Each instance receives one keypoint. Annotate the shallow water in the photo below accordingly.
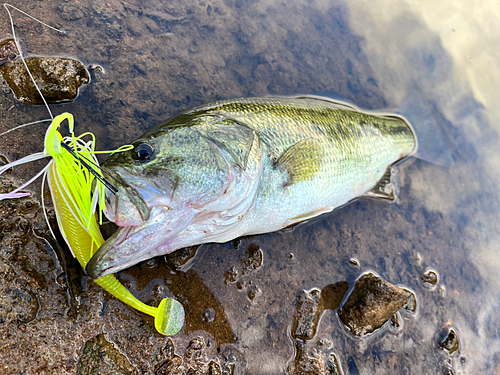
(159, 58)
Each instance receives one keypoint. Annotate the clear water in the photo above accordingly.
(160, 57)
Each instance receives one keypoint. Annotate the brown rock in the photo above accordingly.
(371, 304)
(451, 343)
(307, 362)
(58, 79)
(102, 357)
(8, 50)
(309, 310)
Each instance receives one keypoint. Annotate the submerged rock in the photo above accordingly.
(196, 360)
(450, 343)
(254, 259)
(307, 362)
(314, 361)
(371, 304)
(169, 360)
(58, 79)
(311, 305)
(309, 310)
(430, 278)
(8, 50)
(332, 365)
(102, 357)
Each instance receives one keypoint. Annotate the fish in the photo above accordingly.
(249, 166)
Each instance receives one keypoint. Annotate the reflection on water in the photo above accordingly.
(440, 239)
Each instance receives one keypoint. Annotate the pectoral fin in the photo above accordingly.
(385, 188)
(302, 160)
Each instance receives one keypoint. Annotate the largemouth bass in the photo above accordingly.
(243, 167)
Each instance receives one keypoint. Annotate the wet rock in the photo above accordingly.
(324, 343)
(429, 278)
(309, 310)
(396, 323)
(214, 368)
(450, 344)
(332, 365)
(411, 306)
(311, 305)
(254, 259)
(194, 345)
(354, 262)
(169, 361)
(209, 315)
(195, 360)
(102, 357)
(310, 361)
(58, 79)
(8, 50)
(307, 363)
(254, 293)
(231, 276)
(371, 304)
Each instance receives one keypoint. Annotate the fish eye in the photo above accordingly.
(143, 152)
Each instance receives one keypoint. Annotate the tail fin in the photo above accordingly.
(431, 147)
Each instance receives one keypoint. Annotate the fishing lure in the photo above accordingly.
(71, 174)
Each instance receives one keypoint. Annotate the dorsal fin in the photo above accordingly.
(338, 103)
(386, 187)
(302, 160)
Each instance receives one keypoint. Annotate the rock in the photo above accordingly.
(310, 361)
(254, 259)
(8, 50)
(311, 305)
(214, 368)
(307, 363)
(332, 365)
(450, 344)
(58, 79)
(169, 361)
(429, 278)
(309, 310)
(100, 357)
(371, 304)
(194, 361)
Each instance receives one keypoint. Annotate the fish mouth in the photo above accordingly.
(103, 262)
(132, 244)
